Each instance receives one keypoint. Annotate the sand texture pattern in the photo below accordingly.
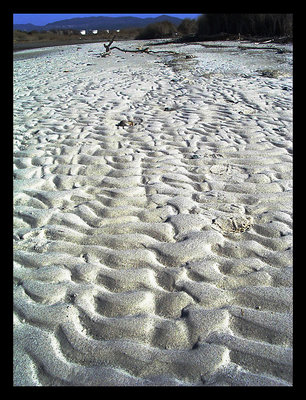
(158, 251)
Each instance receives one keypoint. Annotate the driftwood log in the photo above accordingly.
(107, 46)
(146, 50)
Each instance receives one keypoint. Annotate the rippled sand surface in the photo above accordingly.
(155, 251)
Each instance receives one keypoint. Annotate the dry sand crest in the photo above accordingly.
(158, 252)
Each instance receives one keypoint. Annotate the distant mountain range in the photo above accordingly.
(99, 23)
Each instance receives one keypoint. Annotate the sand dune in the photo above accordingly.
(158, 253)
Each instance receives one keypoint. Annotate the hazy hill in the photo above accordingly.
(97, 23)
(26, 27)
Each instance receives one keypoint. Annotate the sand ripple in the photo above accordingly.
(153, 254)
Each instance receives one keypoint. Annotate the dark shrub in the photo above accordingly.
(157, 30)
(245, 24)
(187, 26)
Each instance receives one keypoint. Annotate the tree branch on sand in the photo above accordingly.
(146, 50)
(107, 46)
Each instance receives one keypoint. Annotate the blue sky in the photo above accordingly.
(43, 19)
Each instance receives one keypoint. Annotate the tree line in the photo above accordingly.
(245, 24)
(207, 25)
(275, 25)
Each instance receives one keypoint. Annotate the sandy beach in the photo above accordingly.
(153, 215)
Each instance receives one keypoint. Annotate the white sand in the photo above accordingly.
(159, 253)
